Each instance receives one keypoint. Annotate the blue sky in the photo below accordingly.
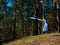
(9, 3)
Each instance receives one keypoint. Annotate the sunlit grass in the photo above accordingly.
(30, 39)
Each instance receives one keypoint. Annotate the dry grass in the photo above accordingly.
(43, 39)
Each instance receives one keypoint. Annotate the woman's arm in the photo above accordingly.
(40, 19)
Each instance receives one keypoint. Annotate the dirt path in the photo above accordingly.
(50, 40)
(38, 40)
(47, 40)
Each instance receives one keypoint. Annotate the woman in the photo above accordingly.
(45, 25)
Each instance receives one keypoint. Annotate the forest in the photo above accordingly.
(15, 19)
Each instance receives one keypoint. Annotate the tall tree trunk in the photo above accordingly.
(56, 14)
(37, 13)
(31, 28)
(42, 15)
(14, 28)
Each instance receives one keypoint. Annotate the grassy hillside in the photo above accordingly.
(43, 39)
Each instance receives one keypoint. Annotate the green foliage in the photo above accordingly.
(15, 22)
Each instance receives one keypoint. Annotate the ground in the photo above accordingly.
(43, 39)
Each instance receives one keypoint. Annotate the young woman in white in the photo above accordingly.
(45, 25)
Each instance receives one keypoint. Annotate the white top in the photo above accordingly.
(45, 26)
(42, 20)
